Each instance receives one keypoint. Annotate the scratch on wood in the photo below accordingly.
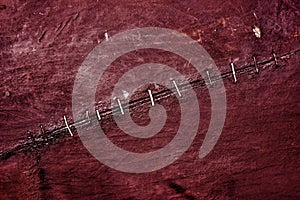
(62, 27)
(76, 16)
(42, 36)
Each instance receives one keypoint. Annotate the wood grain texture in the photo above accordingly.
(43, 44)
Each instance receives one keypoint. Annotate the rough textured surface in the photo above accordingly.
(43, 44)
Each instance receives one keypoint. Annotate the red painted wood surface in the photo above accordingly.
(43, 44)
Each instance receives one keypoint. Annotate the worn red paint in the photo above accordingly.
(43, 44)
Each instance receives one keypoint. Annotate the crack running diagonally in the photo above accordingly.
(47, 137)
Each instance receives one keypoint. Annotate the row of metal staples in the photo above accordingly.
(49, 136)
